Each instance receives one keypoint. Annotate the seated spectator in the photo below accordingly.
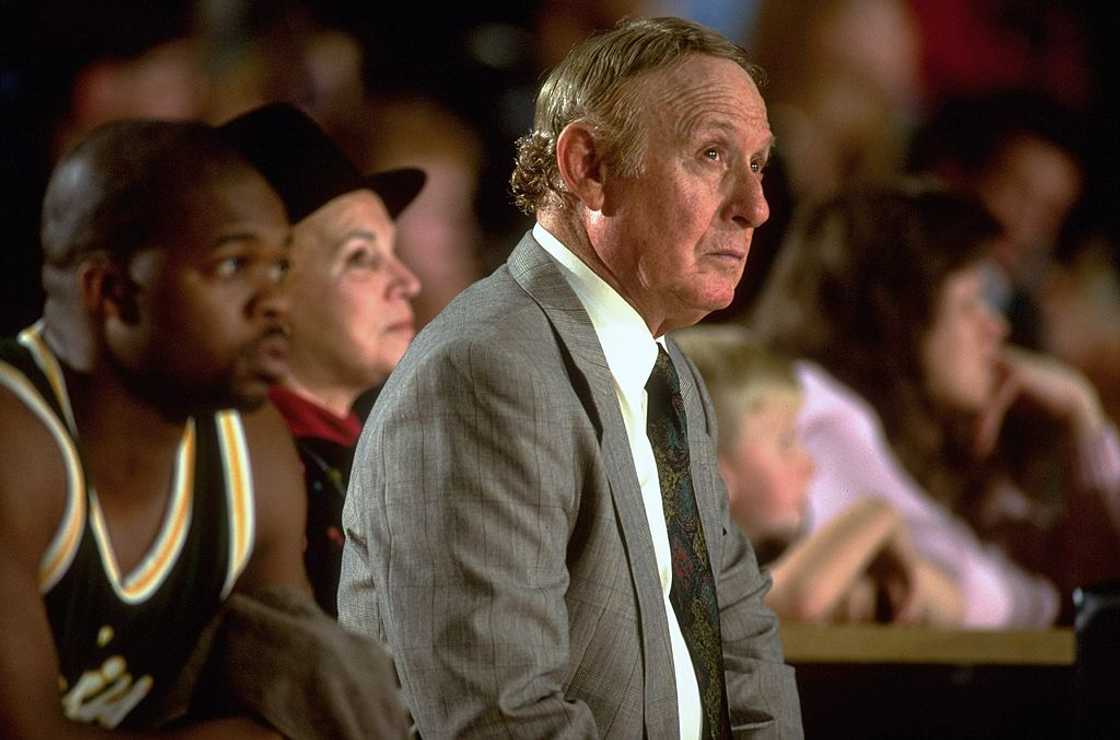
(859, 566)
(907, 380)
(352, 318)
(136, 500)
(1019, 154)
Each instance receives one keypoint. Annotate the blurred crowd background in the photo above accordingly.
(857, 89)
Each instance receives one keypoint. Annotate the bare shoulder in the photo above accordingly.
(280, 501)
(33, 479)
(271, 449)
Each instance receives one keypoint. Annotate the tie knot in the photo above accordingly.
(663, 378)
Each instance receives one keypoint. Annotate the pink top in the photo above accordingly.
(853, 459)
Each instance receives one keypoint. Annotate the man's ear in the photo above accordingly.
(107, 291)
(579, 157)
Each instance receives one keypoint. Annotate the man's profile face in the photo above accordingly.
(212, 325)
(676, 236)
(351, 314)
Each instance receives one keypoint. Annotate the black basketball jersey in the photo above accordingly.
(123, 638)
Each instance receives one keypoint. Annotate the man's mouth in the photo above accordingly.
(730, 256)
(270, 353)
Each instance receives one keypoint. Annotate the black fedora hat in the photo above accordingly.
(306, 167)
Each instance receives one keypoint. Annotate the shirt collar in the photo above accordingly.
(627, 344)
(306, 418)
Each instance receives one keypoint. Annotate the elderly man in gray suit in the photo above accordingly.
(535, 523)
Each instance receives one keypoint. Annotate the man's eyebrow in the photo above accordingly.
(767, 149)
(698, 124)
(233, 237)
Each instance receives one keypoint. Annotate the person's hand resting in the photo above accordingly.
(1059, 390)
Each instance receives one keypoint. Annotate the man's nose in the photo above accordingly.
(747, 205)
(271, 299)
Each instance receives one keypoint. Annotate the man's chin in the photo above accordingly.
(717, 294)
(249, 396)
(248, 404)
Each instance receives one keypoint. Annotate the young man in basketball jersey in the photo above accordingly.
(134, 497)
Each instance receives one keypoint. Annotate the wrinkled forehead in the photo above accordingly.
(701, 90)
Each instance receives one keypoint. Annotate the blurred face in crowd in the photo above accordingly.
(962, 348)
(1030, 188)
(767, 471)
(675, 237)
(209, 330)
(351, 318)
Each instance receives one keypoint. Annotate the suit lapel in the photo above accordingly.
(538, 274)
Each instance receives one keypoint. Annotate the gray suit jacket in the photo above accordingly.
(497, 539)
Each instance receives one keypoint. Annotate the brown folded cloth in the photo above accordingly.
(275, 655)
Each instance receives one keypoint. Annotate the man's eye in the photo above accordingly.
(230, 266)
(758, 167)
(713, 154)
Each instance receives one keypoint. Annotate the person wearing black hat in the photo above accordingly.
(351, 320)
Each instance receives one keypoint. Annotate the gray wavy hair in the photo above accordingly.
(592, 84)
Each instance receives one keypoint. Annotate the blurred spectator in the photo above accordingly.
(255, 54)
(859, 566)
(260, 52)
(842, 84)
(972, 46)
(117, 61)
(561, 24)
(1017, 152)
(65, 68)
(1081, 311)
(907, 383)
(438, 237)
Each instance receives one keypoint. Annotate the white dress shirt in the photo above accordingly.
(631, 351)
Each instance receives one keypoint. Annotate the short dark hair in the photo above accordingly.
(594, 84)
(128, 184)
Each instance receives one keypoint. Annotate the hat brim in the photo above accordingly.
(305, 166)
(396, 188)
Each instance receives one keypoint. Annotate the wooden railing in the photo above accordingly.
(864, 643)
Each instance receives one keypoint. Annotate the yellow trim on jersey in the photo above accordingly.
(147, 576)
(64, 545)
(239, 489)
(32, 339)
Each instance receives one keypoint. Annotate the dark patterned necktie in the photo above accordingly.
(693, 593)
